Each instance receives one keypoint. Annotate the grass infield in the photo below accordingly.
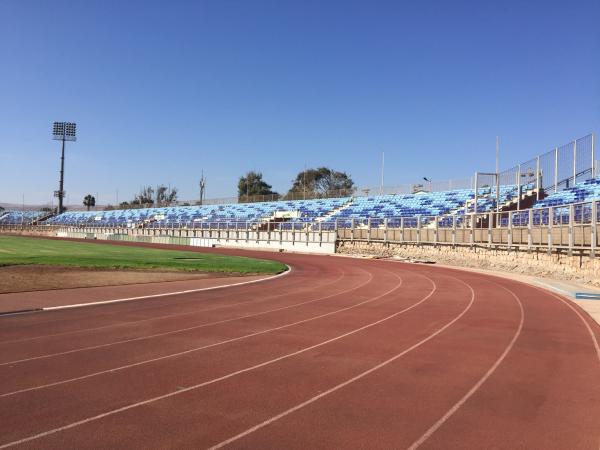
(16, 250)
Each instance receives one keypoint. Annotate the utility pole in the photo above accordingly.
(202, 187)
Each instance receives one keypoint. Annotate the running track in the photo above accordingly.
(340, 353)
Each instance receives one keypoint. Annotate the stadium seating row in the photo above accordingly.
(12, 217)
(326, 211)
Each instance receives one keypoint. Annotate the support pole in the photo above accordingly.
(555, 169)
(519, 187)
(62, 178)
(476, 193)
(529, 228)
(454, 230)
(510, 229)
(593, 156)
(571, 228)
(490, 219)
(550, 225)
(473, 219)
(574, 162)
(497, 192)
(537, 179)
(593, 232)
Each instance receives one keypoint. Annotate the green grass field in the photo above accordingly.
(23, 250)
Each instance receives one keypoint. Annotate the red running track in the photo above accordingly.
(340, 353)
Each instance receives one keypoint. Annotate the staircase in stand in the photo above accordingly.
(335, 210)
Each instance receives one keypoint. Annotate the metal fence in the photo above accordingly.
(572, 227)
(553, 171)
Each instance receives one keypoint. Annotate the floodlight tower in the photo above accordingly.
(62, 131)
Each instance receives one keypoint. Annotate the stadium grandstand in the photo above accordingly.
(556, 189)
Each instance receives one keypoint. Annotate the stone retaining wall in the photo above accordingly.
(556, 265)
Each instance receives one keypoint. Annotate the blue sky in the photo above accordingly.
(163, 90)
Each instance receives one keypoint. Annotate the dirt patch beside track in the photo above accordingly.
(40, 278)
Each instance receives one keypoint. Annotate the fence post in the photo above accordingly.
(307, 233)
(352, 229)
(550, 224)
(490, 218)
(555, 170)
(401, 229)
(369, 229)
(529, 228)
(385, 229)
(574, 161)
(437, 229)
(293, 233)
(320, 232)
(473, 219)
(571, 226)
(510, 229)
(593, 229)
(418, 229)
(454, 230)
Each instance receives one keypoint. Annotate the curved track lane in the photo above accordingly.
(340, 353)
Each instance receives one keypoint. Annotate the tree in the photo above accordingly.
(252, 185)
(321, 182)
(165, 195)
(145, 197)
(89, 201)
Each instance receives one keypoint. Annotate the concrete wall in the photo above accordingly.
(554, 265)
(324, 243)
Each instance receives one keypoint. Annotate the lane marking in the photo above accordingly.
(84, 330)
(180, 330)
(167, 294)
(482, 380)
(184, 352)
(349, 381)
(156, 306)
(224, 377)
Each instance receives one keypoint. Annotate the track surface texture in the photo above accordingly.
(339, 353)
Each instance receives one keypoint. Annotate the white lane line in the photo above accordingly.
(482, 380)
(224, 377)
(167, 316)
(180, 330)
(185, 352)
(167, 294)
(585, 322)
(349, 381)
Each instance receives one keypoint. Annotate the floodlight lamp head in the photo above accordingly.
(64, 131)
